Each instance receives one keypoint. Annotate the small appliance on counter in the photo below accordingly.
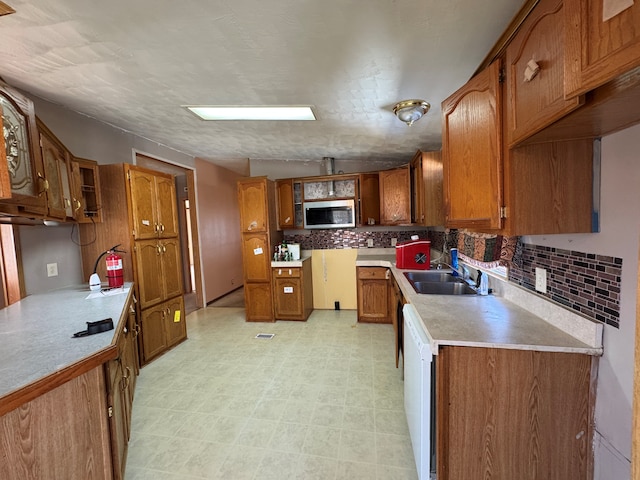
(414, 255)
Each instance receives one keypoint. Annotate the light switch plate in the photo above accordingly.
(52, 269)
(369, 242)
(541, 280)
(394, 242)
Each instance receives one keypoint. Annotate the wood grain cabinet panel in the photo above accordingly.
(395, 196)
(293, 292)
(286, 213)
(259, 302)
(535, 74)
(252, 199)
(373, 295)
(514, 413)
(599, 49)
(426, 189)
(472, 153)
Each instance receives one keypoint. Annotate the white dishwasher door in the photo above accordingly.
(417, 357)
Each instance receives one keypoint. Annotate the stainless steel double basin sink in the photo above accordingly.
(439, 282)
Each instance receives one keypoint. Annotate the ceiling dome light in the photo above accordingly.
(410, 111)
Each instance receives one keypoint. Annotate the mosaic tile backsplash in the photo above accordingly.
(585, 282)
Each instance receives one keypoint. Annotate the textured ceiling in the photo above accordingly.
(135, 63)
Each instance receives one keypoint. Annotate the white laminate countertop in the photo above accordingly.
(494, 321)
(291, 263)
(36, 333)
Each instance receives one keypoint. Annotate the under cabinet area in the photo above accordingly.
(293, 291)
(501, 413)
(373, 294)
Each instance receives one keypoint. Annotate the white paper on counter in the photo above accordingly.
(107, 292)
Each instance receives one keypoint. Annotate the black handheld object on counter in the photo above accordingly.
(96, 327)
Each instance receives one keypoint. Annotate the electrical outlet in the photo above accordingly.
(369, 242)
(52, 269)
(394, 242)
(541, 280)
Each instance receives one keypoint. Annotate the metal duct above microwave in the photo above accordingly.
(330, 214)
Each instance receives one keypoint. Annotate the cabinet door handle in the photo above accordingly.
(45, 184)
(158, 249)
(162, 227)
(77, 204)
(531, 70)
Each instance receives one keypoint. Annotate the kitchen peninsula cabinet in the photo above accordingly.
(373, 294)
(293, 291)
(513, 414)
(534, 71)
(141, 216)
(395, 196)
(256, 200)
(599, 49)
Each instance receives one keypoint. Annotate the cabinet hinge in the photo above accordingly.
(110, 410)
(503, 212)
(129, 175)
(501, 76)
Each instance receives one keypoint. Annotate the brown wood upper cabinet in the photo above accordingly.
(254, 213)
(426, 189)
(602, 42)
(286, 213)
(395, 196)
(153, 205)
(24, 168)
(369, 199)
(472, 153)
(534, 70)
(85, 185)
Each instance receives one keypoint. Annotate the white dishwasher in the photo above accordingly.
(417, 360)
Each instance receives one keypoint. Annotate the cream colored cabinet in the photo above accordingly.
(534, 71)
(293, 292)
(256, 200)
(427, 204)
(373, 294)
(602, 42)
(472, 153)
(513, 411)
(395, 196)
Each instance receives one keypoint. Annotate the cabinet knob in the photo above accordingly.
(45, 184)
(531, 71)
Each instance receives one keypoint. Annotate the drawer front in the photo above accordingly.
(379, 273)
(280, 272)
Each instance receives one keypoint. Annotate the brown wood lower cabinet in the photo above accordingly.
(513, 414)
(163, 326)
(258, 302)
(373, 294)
(293, 292)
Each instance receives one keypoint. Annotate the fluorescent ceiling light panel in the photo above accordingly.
(253, 112)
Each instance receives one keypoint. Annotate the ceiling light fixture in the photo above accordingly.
(236, 112)
(410, 111)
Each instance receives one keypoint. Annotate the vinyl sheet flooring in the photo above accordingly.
(322, 400)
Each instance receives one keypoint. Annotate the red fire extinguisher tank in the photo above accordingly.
(114, 270)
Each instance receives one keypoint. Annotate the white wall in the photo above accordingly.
(618, 237)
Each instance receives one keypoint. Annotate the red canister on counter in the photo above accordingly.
(414, 255)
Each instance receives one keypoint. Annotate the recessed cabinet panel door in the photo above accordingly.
(148, 254)
(536, 98)
(175, 322)
(256, 257)
(153, 333)
(472, 153)
(143, 205)
(288, 298)
(167, 207)
(395, 196)
(601, 43)
(54, 161)
(252, 198)
(171, 267)
(285, 204)
(258, 301)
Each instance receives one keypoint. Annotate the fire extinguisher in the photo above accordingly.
(115, 276)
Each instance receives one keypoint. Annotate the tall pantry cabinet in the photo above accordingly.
(258, 229)
(139, 212)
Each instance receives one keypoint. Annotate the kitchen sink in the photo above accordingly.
(443, 288)
(438, 282)
(437, 276)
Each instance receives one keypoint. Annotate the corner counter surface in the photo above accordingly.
(37, 333)
(489, 321)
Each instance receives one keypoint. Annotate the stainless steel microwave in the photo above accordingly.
(330, 214)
